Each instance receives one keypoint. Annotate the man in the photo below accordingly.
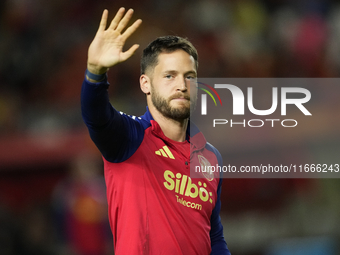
(154, 206)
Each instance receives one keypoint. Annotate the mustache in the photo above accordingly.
(180, 95)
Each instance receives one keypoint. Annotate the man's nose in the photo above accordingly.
(182, 86)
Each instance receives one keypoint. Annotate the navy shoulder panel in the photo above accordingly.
(211, 148)
(131, 136)
(121, 136)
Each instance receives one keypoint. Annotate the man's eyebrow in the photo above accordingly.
(175, 72)
(170, 71)
(191, 72)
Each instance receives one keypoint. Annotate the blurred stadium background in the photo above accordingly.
(52, 195)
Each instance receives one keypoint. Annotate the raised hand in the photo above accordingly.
(106, 49)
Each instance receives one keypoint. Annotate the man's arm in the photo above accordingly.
(218, 243)
(114, 134)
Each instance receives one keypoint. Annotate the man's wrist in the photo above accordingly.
(91, 77)
(95, 69)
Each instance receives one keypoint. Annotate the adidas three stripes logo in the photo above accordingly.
(165, 152)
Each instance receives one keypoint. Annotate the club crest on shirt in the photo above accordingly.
(206, 168)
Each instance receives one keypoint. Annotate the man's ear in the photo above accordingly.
(145, 84)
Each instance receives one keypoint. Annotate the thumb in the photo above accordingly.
(127, 54)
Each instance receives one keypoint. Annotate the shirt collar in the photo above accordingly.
(194, 135)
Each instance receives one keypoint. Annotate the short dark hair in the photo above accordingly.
(168, 44)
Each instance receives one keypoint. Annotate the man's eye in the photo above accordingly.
(169, 76)
(190, 77)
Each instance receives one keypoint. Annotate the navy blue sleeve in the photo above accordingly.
(116, 135)
(218, 243)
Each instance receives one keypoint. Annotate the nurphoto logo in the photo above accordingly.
(281, 97)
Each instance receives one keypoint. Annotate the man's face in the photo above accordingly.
(171, 81)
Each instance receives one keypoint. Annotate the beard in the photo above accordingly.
(162, 104)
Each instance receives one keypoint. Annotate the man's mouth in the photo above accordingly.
(180, 97)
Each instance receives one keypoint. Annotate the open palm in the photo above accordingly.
(106, 49)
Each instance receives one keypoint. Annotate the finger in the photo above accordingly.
(103, 21)
(117, 18)
(130, 30)
(127, 54)
(122, 24)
